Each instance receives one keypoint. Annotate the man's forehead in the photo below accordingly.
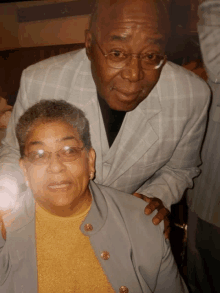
(145, 13)
(124, 31)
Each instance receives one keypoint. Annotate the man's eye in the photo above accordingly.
(117, 55)
(151, 57)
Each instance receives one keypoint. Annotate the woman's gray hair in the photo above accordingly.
(50, 111)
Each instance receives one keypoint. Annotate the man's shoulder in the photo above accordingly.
(177, 82)
(175, 71)
(56, 76)
(70, 61)
(182, 76)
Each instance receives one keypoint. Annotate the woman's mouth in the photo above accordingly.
(59, 185)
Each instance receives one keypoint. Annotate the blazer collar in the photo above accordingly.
(98, 212)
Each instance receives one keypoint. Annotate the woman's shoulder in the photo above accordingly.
(131, 210)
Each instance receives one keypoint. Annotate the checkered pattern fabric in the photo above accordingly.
(158, 144)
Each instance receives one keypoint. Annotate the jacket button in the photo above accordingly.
(88, 227)
(123, 289)
(105, 255)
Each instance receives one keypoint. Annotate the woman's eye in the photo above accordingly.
(40, 153)
(70, 151)
(36, 155)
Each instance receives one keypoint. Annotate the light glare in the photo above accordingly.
(8, 194)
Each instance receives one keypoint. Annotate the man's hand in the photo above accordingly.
(163, 213)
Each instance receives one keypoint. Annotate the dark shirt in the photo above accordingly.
(112, 120)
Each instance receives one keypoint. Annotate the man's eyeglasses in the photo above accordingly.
(66, 154)
(119, 58)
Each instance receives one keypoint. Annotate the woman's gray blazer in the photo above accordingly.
(140, 257)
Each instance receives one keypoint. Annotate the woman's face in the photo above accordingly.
(59, 186)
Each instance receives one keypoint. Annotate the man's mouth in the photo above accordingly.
(127, 93)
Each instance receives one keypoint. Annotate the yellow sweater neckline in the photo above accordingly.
(43, 212)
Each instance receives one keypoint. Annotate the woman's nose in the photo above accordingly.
(55, 164)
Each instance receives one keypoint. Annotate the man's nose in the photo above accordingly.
(55, 164)
(133, 71)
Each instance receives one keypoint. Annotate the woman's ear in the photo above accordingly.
(88, 44)
(91, 156)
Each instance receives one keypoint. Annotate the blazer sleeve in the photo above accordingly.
(209, 36)
(151, 252)
(10, 172)
(4, 260)
(2, 241)
(169, 279)
(171, 180)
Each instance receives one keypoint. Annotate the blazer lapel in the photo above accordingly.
(135, 137)
(83, 95)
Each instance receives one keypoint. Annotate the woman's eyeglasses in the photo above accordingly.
(66, 154)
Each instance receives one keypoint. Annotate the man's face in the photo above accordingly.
(130, 31)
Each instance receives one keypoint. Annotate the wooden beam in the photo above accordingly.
(42, 23)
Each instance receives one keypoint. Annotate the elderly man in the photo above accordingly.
(147, 115)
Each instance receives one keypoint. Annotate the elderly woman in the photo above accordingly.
(68, 234)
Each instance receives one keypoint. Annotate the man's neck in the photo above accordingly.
(112, 120)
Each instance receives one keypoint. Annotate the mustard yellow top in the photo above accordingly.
(66, 261)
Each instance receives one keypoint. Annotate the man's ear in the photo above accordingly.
(88, 43)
